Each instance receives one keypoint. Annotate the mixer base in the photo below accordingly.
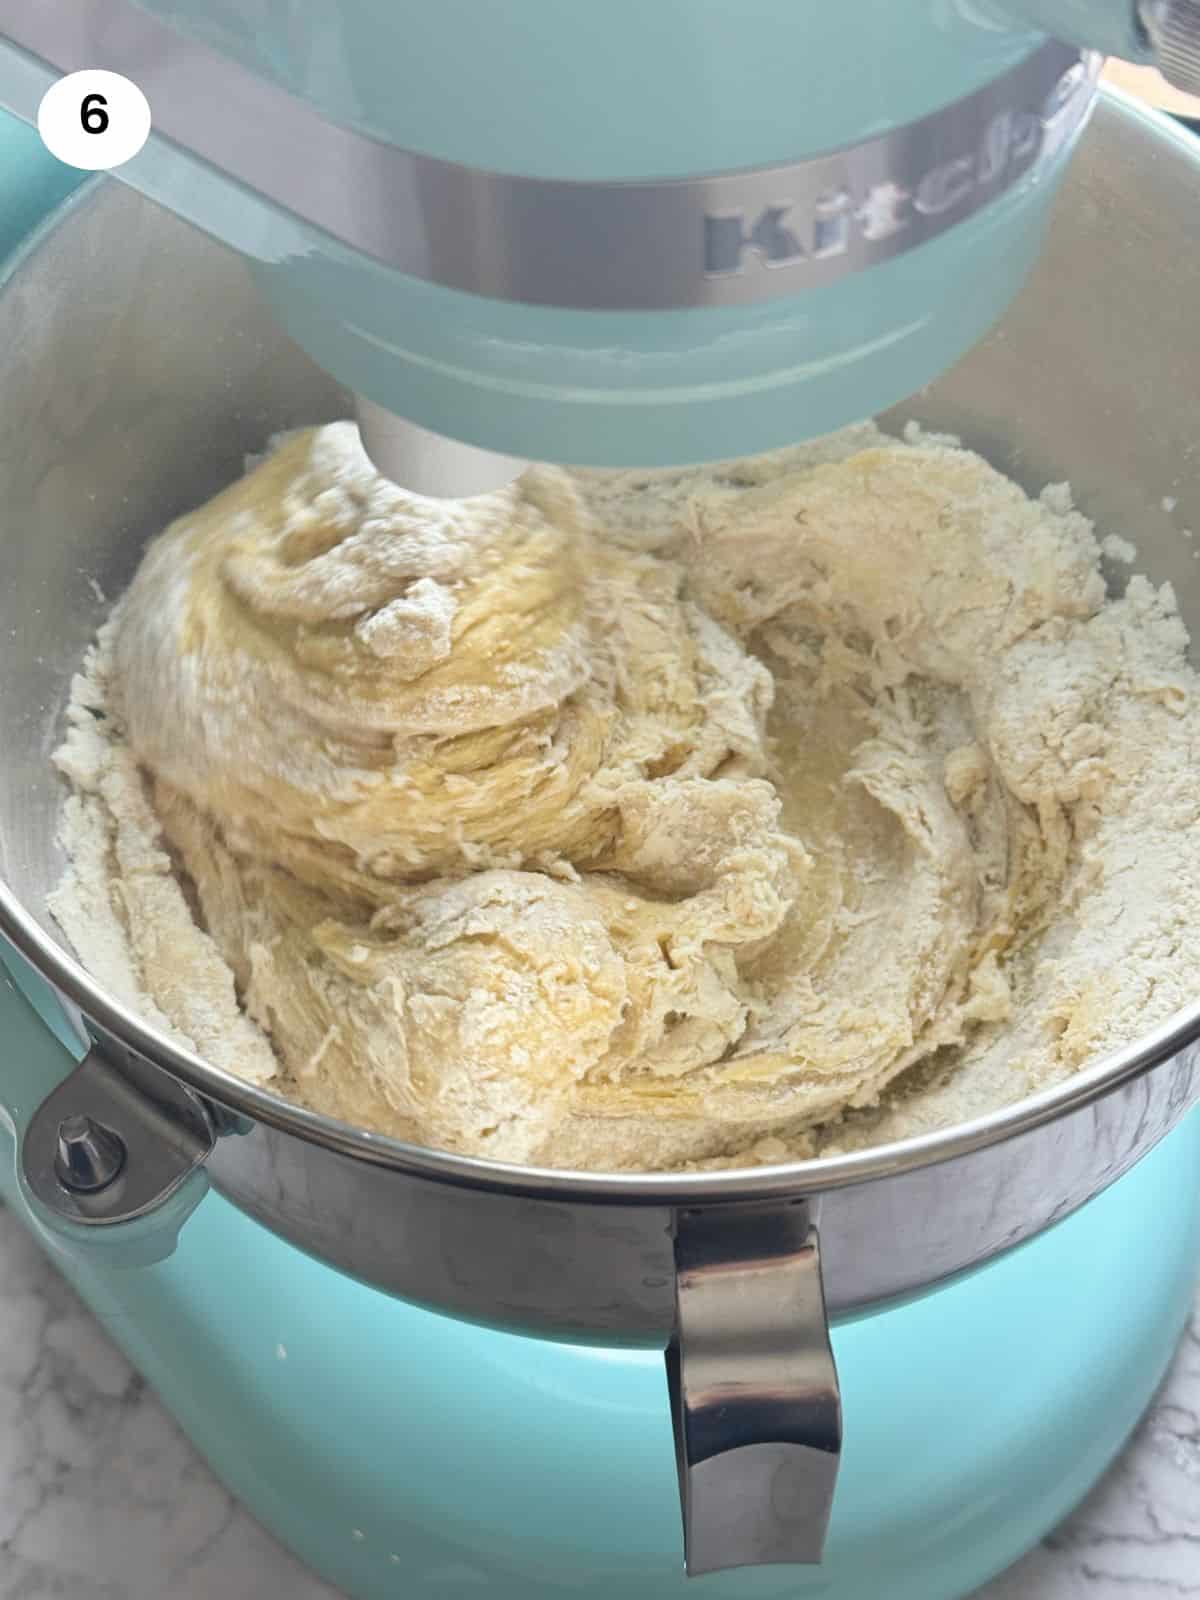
(402, 1453)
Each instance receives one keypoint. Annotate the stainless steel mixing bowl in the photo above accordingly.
(137, 367)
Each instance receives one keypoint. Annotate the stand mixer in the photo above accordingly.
(647, 235)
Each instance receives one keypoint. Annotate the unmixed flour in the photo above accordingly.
(639, 820)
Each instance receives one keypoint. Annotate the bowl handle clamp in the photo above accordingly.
(753, 1385)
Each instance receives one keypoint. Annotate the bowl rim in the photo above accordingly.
(1104, 1076)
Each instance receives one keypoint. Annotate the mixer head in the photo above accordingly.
(617, 236)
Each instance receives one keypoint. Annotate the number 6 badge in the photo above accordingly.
(95, 120)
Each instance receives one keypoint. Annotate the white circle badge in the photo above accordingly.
(94, 120)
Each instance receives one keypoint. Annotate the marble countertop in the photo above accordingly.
(102, 1498)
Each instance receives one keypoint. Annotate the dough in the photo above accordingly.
(615, 821)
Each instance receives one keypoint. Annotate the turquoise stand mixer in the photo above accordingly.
(633, 235)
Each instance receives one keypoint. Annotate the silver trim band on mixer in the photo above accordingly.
(728, 238)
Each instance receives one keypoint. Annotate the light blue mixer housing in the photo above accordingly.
(645, 233)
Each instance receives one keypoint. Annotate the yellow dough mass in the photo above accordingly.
(610, 821)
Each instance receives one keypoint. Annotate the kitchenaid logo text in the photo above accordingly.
(789, 233)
